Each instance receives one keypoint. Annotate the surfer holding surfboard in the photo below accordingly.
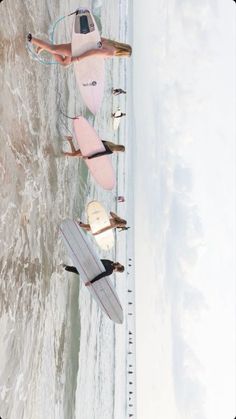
(109, 266)
(110, 148)
(87, 51)
(115, 222)
(91, 146)
(62, 53)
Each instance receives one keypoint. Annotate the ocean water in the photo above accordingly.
(59, 356)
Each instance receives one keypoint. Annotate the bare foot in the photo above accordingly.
(68, 138)
(39, 50)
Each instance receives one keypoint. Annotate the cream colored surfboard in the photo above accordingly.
(99, 222)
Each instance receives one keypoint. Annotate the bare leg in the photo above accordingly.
(70, 140)
(85, 226)
(61, 49)
(76, 153)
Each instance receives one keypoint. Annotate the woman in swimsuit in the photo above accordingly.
(109, 149)
(115, 222)
(62, 53)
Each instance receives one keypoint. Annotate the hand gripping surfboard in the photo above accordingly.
(99, 222)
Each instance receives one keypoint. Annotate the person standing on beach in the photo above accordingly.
(115, 222)
(62, 53)
(114, 115)
(109, 266)
(117, 92)
(110, 148)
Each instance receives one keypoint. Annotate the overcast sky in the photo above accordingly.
(184, 94)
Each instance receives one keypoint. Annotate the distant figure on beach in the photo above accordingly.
(110, 148)
(62, 53)
(117, 92)
(114, 115)
(120, 199)
(115, 222)
(109, 266)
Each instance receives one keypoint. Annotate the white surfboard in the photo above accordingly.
(116, 121)
(99, 221)
(89, 266)
(90, 72)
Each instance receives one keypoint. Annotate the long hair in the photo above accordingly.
(121, 49)
(119, 267)
(121, 223)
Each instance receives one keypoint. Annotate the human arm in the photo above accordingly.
(102, 275)
(99, 154)
(108, 265)
(107, 150)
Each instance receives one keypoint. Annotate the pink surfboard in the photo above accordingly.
(90, 72)
(89, 143)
